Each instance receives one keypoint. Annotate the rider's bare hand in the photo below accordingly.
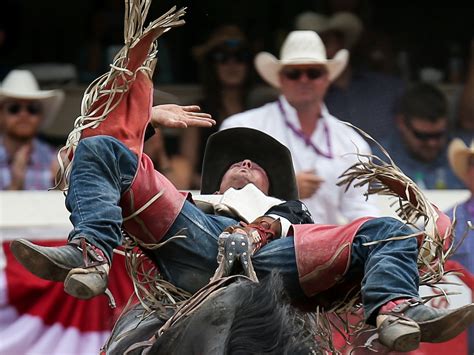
(176, 116)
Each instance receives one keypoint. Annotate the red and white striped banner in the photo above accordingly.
(38, 317)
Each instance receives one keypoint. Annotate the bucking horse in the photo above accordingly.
(235, 316)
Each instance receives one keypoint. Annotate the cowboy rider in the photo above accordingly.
(109, 181)
(113, 186)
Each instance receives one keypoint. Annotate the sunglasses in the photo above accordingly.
(227, 56)
(423, 136)
(14, 108)
(311, 73)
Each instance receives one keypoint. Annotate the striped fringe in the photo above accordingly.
(412, 207)
(153, 292)
(110, 87)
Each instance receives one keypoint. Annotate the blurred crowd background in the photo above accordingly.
(409, 84)
(66, 47)
(399, 37)
(409, 81)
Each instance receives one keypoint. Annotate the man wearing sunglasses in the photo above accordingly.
(322, 147)
(26, 163)
(420, 148)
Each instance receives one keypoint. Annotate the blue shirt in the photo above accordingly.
(465, 253)
(464, 213)
(436, 174)
(38, 172)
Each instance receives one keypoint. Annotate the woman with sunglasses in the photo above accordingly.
(225, 64)
(26, 163)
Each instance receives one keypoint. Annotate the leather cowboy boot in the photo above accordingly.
(409, 322)
(82, 267)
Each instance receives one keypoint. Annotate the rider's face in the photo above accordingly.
(243, 173)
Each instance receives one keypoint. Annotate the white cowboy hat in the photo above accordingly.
(348, 24)
(300, 47)
(22, 85)
(458, 155)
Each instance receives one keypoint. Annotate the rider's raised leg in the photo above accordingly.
(103, 169)
(101, 177)
(390, 289)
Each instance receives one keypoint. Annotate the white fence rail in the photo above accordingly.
(36, 214)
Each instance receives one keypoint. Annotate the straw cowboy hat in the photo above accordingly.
(458, 155)
(233, 145)
(229, 35)
(348, 24)
(300, 47)
(22, 85)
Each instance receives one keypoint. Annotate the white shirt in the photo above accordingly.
(331, 204)
(248, 203)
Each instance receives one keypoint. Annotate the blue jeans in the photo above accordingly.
(104, 168)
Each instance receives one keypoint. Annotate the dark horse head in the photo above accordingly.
(243, 318)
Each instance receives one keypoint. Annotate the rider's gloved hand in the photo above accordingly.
(259, 232)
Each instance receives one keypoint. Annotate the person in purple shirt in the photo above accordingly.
(461, 159)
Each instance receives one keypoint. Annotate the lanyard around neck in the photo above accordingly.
(299, 133)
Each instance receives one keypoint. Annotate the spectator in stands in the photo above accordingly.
(225, 61)
(420, 148)
(322, 147)
(26, 163)
(461, 160)
(358, 95)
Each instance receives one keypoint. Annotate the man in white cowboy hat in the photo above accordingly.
(26, 163)
(361, 96)
(322, 147)
(461, 160)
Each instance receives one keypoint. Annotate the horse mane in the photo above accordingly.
(266, 323)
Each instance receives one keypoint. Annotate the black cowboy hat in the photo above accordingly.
(230, 146)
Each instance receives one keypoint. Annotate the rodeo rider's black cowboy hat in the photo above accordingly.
(229, 146)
